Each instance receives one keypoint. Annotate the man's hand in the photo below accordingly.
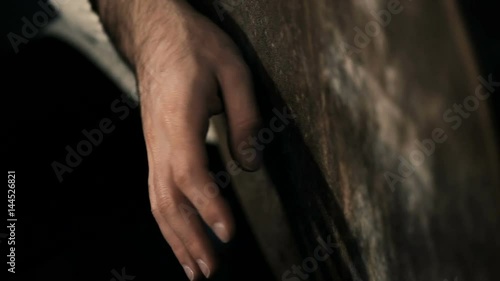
(181, 60)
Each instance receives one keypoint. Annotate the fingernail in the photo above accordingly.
(253, 160)
(204, 268)
(221, 232)
(189, 272)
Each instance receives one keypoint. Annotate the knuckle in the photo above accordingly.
(233, 65)
(189, 240)
(178, 248)
(239, 69)
(165, 207)
(243, 69)
(249, 124)
(182, 176)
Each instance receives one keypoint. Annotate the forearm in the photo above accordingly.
(118, 18)
(129, 22)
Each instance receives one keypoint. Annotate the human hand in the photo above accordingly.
(181, 59)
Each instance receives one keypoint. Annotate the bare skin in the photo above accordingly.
(181, 59)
